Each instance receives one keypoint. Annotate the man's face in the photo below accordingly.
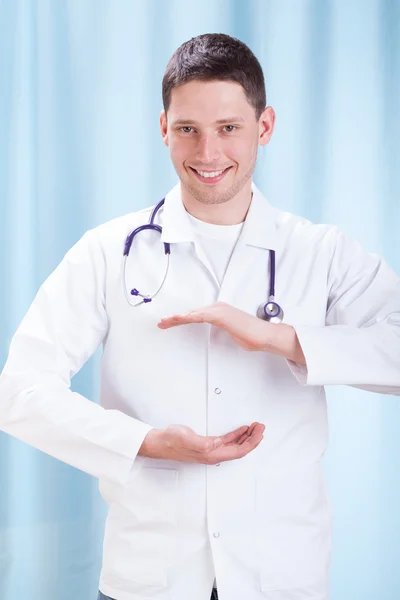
(211, 127)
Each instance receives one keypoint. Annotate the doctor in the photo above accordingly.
(212, 425)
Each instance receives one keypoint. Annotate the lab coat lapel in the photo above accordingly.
(258, 236)
(259, 231)
(176, 227)
(204, 260)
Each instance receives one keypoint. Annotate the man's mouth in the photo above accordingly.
(210, 176)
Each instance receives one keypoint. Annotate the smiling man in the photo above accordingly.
(214, 151)
(212, 423)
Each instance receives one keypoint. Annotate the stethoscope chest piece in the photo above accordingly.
(270, 311)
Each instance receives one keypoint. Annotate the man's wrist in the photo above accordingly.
(151, 443)
(281, 339)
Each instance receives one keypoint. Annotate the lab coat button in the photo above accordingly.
(216, 534)
(217, 391)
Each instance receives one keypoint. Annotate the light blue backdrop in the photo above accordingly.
(80, 97)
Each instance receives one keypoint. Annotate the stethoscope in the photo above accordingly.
(270, 311)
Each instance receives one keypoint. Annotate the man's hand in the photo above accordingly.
(179, 442)
(248, 331)
(251, 333)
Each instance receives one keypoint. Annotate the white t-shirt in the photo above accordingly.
(217, 242)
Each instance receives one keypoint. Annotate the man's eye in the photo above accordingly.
(232, 128)
(182, 128)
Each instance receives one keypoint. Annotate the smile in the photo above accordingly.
(210, 177)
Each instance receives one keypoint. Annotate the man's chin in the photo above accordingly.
(210, 196)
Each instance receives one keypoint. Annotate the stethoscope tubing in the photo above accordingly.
(266, 311)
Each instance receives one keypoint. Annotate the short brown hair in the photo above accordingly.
(213, 57)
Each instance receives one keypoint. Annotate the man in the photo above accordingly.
(193, 380)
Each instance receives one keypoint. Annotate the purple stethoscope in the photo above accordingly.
(269, 311)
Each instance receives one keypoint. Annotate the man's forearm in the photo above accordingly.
(282, 340)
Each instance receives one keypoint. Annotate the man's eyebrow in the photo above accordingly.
(218, 122)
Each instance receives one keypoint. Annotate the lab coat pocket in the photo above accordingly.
(294, 534)
(141, 532)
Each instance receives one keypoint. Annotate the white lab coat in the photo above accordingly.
(261, 524)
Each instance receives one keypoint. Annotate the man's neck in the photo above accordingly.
(232, 212)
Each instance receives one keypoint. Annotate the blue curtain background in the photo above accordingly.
(80, 97)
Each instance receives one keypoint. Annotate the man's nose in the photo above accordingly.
(208, 149)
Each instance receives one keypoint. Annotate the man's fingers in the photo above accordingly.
(242, 438)
(201, 443)
(235, 450)
(246, 434)
(252, 441)
(233, 436)
(199, 316)
(234, 444)
(250, 432)
(240, 435)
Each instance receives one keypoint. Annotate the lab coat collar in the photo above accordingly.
(259, 228)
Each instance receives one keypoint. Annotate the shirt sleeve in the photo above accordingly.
(360, 344)
(63, 327)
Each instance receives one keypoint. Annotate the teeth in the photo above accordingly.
(213, 174)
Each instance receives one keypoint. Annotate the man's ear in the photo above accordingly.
(163, 127)
(266, 125)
